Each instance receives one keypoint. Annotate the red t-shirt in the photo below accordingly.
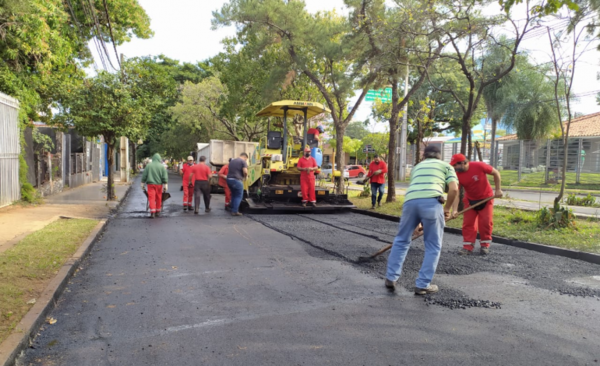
(373, 167)
(307, 163)
(313, 131)
(475, 182)
(201, 172)
(186, 170)
(224, 171)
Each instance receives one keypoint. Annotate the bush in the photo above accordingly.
(28, 193)
(588, 200)
(556, 217)
(366, 191)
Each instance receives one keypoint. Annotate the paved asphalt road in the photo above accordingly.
(287, 290)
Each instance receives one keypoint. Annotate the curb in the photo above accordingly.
(541, 248)
(21, 336)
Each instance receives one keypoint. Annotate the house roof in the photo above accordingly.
(584, 126)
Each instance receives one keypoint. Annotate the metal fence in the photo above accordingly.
(78, 163)
(10, 188)
(529, 163)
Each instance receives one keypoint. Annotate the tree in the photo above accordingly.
(105, 106)
(566, 51)
(44, 48)
(522, 99)
(473, 44)
(321, 46)
(357, 130)
(397, 37)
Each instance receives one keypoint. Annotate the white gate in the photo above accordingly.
(10, 189)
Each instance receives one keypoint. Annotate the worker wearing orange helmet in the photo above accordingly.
(307, 165)
(472, 176)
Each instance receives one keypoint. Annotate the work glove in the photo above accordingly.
(143, 185)
(165, 187)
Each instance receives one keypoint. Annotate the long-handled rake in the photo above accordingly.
(388, 247)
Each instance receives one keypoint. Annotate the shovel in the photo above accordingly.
(388, 247)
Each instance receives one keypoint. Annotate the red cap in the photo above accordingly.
(457, 158)
(307, 148)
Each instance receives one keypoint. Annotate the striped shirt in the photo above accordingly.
(429, 179)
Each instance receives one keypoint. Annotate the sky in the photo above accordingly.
(183, 31)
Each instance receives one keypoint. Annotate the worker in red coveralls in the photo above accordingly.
(155, 181)
(472, 176)
(316, 132)
(188, 192)
(223, 183)
(307, 166)
(377, 170)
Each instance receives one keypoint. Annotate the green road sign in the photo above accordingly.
(385, 95)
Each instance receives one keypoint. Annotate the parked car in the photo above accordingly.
(326, 171)
(355, 171)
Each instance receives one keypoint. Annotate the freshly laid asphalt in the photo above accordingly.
(213, 289)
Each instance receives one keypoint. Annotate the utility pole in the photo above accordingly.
(403, 133)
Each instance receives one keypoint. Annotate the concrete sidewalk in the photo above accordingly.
(88, 201)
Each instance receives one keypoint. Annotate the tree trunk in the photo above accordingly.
(466, 132)
(110, 194)
(493, 151)
(564, 168)
(478, 149)
(470, 145)
(339, 157)
(391, 195)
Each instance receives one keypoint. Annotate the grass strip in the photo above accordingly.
(26, 268)
(515, 224)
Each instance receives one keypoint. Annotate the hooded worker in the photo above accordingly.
(307, 165)
(156, 179)
(188, 187)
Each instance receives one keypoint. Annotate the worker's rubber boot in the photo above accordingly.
(464, 251)
(484, 250)
(152, 215)
(431, 289)
(390, 285)
(185, 208)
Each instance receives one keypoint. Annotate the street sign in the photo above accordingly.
(368, 146)
(384, 95)
(366, 150)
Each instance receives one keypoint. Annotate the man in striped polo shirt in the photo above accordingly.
(423, 203)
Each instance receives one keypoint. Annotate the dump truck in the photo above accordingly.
(218, 153)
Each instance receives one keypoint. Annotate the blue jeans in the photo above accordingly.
(374, 188)
(429, 212)
(237, 193)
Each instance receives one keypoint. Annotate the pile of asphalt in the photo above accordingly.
(350, 236)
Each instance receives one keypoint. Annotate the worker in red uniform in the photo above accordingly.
(223, 183)
(200, 175)
(472, 176)
(377, 170)
(307, 166)
(188, 192)
(316, 132)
